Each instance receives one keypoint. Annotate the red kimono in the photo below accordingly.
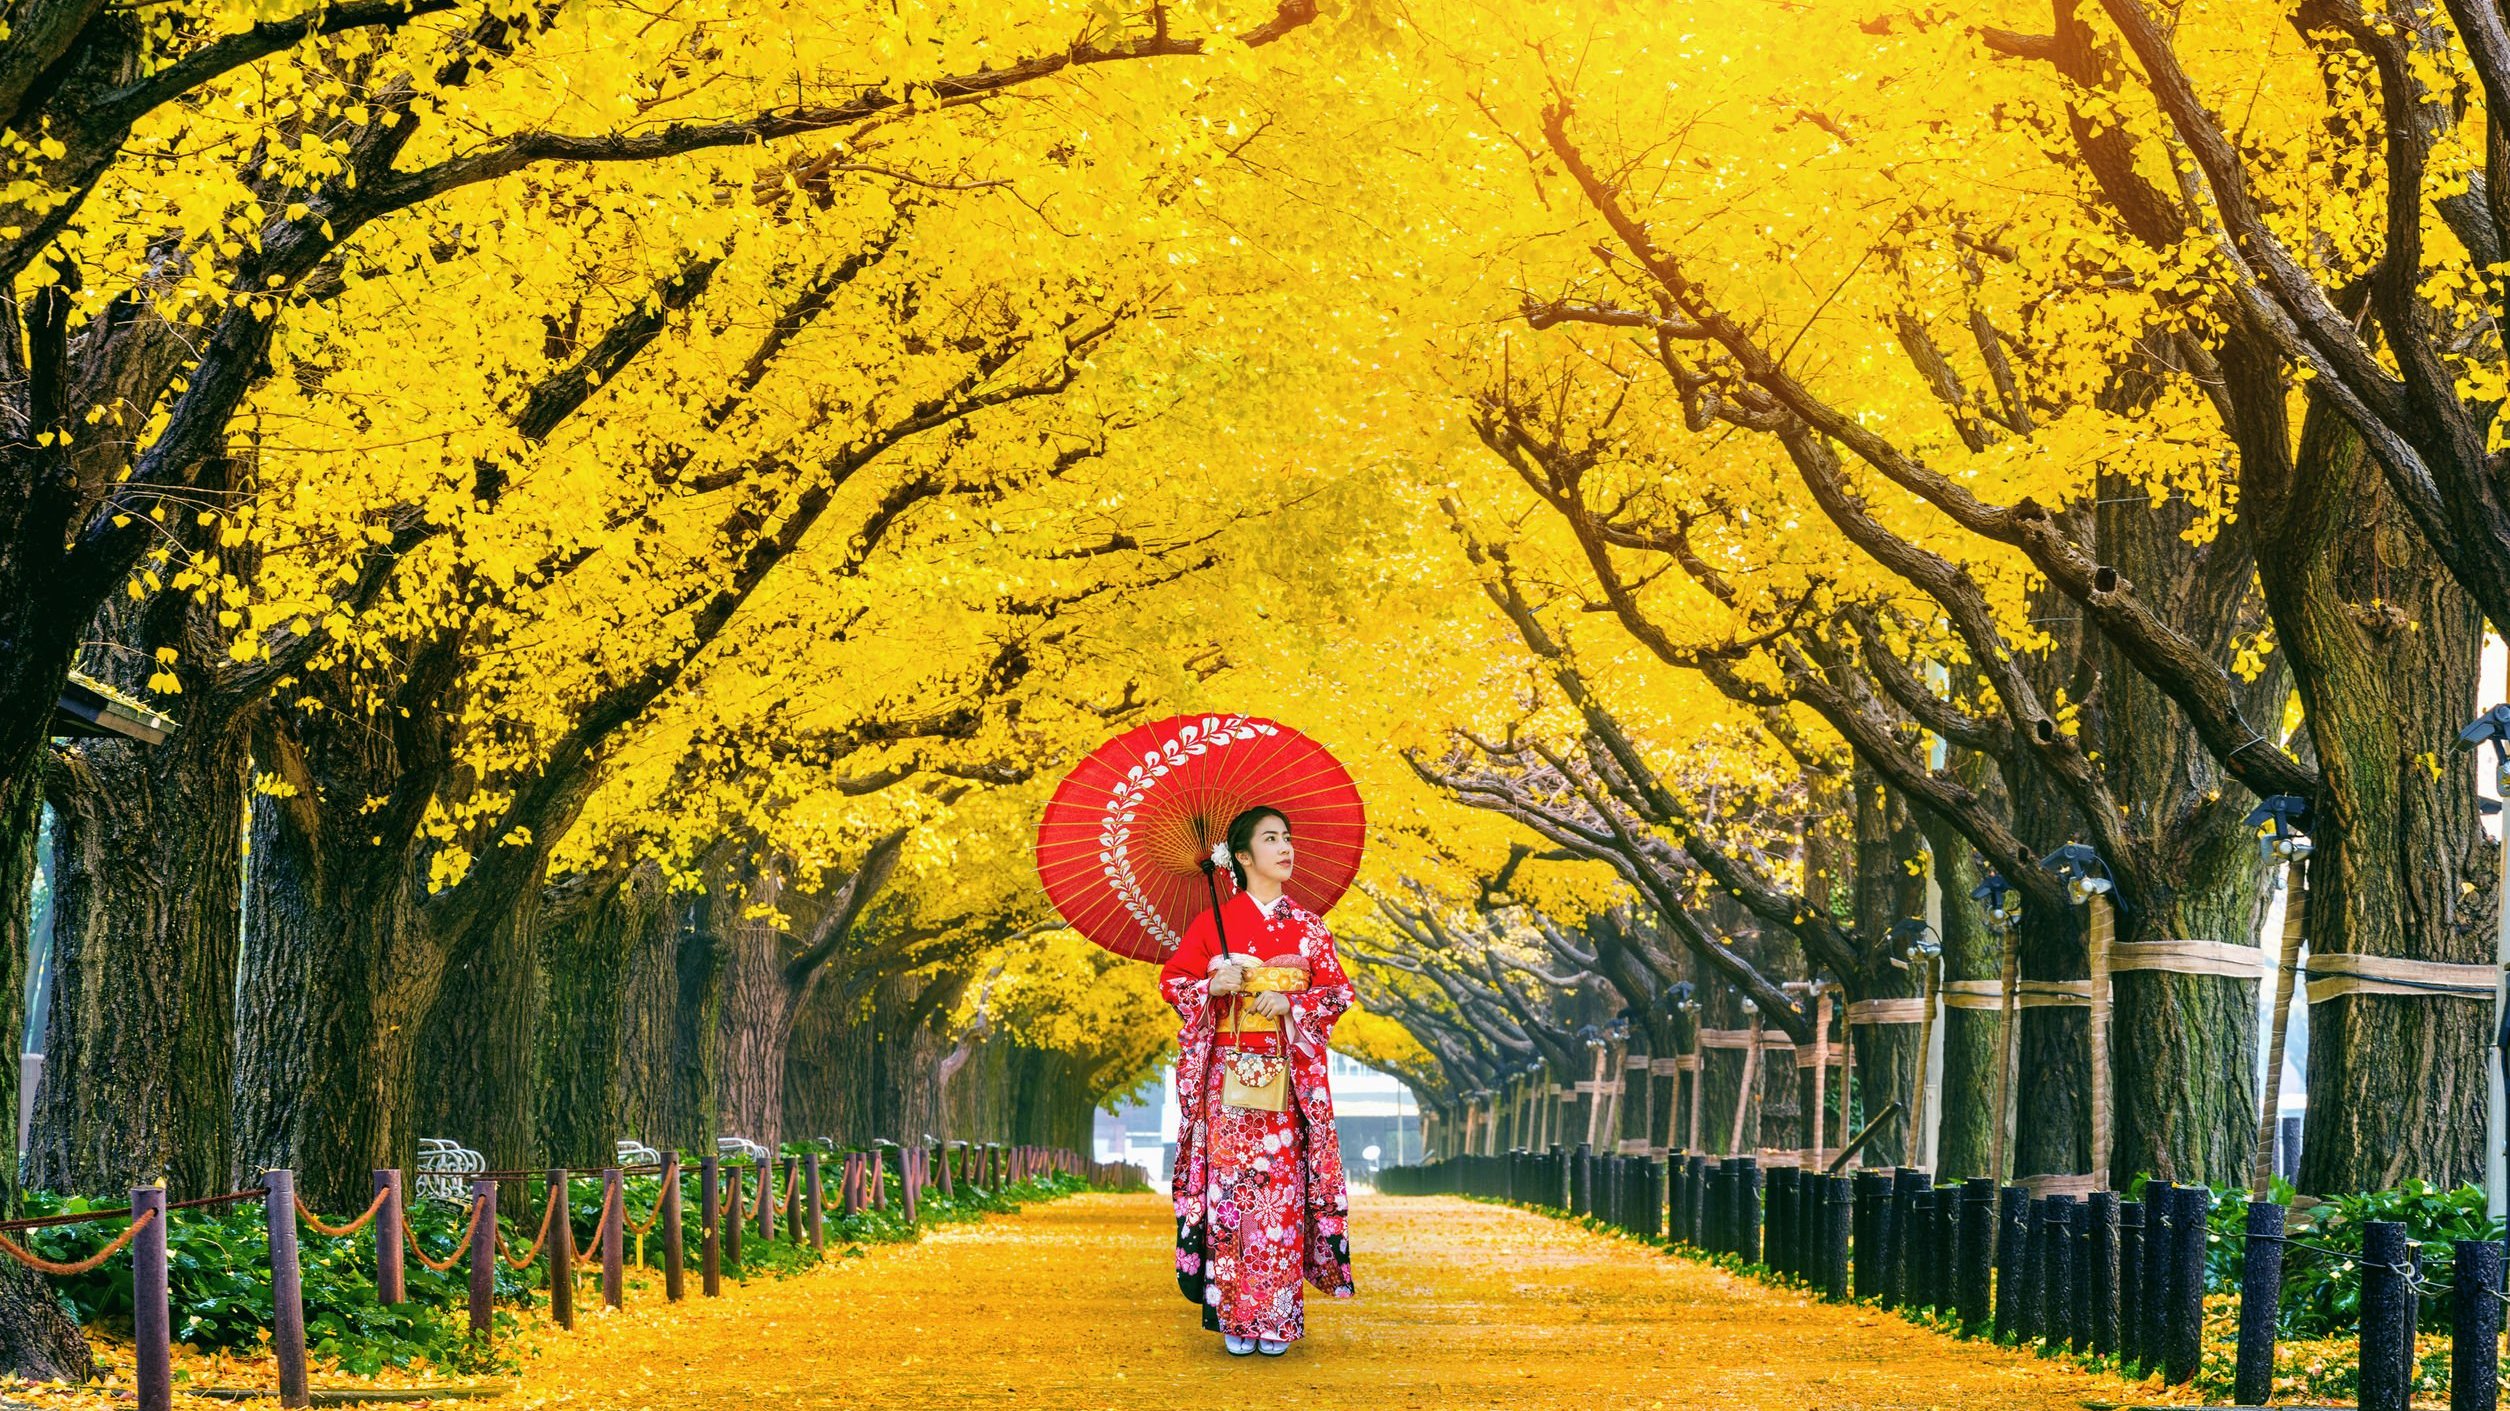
(1260, 1198)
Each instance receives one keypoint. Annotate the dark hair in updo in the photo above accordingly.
(1242, 836)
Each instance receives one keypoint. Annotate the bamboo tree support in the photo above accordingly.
(2104, 919)
(391, 1283)
(1821, 1077)
(560, 1250)
(287, 1287)
(709, 1226)
(2291, 848)
(613, 1237)
(1929, 974)
(1744, 1086)
(2088, 886)
(2004, 916)
(483, 1259)
(672, 1282)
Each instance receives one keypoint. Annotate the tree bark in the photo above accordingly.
(339, 970)
(2385, 648)
(137, 1053)
(670, 1029)
(480, 1060)
(592, 955)
(21, 819)
(1965, 1140)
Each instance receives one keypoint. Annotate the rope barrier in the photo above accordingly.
(124, 1212)
(640, 1231)
(592, 1255)
(42, 1265)
(306, 1213)
(548, 1211)
(460, 1243)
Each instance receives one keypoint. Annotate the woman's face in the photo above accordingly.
(1267, 854)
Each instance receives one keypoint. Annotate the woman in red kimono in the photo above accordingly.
(1260, 1199)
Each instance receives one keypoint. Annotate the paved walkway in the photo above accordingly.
(1461, 1305)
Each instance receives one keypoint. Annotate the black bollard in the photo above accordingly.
(2159, 1215)
(2033, 1274)
(2102, 1251)
(1781, 1220)
(2011, 1205)
(1838, 1215)
(1582, 1180)
(1867, 1210)
(1947, 1247)
(2475, 1327)
(1976, 1258)
(1747, 1209)
(1812, 1227)
(2261, 1291)
(2187, 1284)
(2057, 1270)
(1899, 1236)
(1697, 1215)
(2079, 1310)
(2387, 1338)
(2130, 1284)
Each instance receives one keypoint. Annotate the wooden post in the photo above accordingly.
(561, 1252)
(947, 1184)
(483, 1258)
(710, 1226)
(152, 1319)
(391, 1284)
(910, 1177)
(813, 1196)
(766, 1199)
(852, 1194)
(792, 1202)
(287, 1287)
(672, 1289)
(613, 1236)
(734, 1216)
(878, 1179)
(2296, 899)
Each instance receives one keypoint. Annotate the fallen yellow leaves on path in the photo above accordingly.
(1071, 1305)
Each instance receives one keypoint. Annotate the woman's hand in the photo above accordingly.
(1227, 977)
(1272, 1004)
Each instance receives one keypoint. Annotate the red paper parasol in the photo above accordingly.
(1121, 846)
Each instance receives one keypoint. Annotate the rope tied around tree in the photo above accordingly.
(460, 1242)
(42, 1265)
(548, 1212)
(306, 1213)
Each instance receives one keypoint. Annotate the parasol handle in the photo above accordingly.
(1212, 882)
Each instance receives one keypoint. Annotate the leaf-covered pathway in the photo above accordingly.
(1461, 1305)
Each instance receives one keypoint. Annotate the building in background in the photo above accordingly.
(1375, 1115)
